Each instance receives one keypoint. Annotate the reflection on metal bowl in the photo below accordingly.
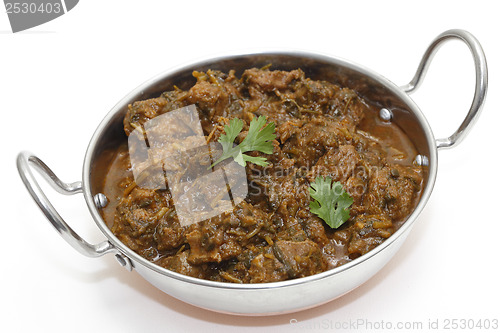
(275, 297)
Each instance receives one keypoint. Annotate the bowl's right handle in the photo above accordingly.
(481, 81)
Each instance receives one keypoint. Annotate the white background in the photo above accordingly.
(58, 80)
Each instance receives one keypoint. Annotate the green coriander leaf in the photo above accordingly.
(331, 202)
(259, 138)
(238, 158)
(255, 160)
(231, 131)
(226, 140)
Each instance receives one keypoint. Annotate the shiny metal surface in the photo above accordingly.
(264, 298)
(385, 114)
(25, 161)
(481, 87)
(285, 296)
(124, 262)
(100, 200)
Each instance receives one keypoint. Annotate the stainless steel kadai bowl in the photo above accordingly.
(276, 297)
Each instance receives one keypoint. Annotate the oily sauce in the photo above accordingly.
(321, 130)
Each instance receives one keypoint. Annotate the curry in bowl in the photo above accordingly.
(245, 192)
(327, 180)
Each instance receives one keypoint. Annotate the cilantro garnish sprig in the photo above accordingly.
(331, 202)
(259, 138)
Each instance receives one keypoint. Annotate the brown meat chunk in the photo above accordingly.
(368, 231)
(137, 217)
(266, 268)
(345, 165)
(392, 190)
(169, 235)
(179, 263)
(300, 258)
(211, 99)
(348, 106)
(209, 243)
(271, 80)
(314, 228)
(312, 140)
(140, 112)
(281, 191)
(321, 129)
(339, 164)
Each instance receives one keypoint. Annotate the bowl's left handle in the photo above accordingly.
(25, 163)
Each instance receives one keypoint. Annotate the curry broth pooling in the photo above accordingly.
(322, 129)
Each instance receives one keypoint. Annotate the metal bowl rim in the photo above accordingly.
(136, 258)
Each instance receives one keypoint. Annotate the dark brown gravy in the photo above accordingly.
(276, 238)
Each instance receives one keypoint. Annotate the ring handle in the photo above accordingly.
(481, 69)
(25, 162)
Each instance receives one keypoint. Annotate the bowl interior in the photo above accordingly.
(371, 86)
